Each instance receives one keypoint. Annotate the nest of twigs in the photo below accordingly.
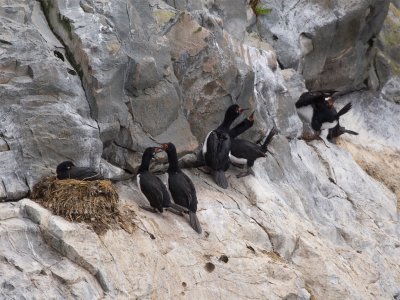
(93, 202)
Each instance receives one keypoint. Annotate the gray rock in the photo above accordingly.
(391, 90)
(232, 13)
(44, 115)
(388, 57)
(329, 43)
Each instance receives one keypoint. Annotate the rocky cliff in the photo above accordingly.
(96, 82)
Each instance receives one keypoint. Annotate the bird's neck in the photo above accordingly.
(173, 162)
(226, 124)
(144, 166)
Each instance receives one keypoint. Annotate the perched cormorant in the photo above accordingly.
(309, 101)
(181, 186)
(217, 144)
(245, 152)
(317, 109)
(67, 170)
(152, 187)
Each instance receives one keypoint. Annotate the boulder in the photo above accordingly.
(45, 116)
(330, 44)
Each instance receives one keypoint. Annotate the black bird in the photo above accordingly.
(67, 170)
(317, 109)
(152, 187)
(338, 131)
(310, 101)
(245, 152)
(181, 186)
(217, 144)
(246, 124)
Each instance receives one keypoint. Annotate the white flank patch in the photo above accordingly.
(138, 183)
(328, 125)
(204, 150)
(236, 160)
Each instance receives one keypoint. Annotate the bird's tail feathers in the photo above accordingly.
(194, 222)
(351, 132)
(344, 110)
(220, 179)
(270, 135)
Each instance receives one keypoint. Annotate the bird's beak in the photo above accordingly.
(330, 101)
(251, 117)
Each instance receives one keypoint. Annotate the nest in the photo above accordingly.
(93, 202)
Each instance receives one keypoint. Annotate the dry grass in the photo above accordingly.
(92, 202)
(384, 165)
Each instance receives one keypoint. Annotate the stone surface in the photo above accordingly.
(317, 221)
(377, 148)
(45, 117)
(330, 43)
(387, 61)
(311, 223)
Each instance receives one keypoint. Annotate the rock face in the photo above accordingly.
(330, 43)
(45, 117)
(311, 223)
(98, 81)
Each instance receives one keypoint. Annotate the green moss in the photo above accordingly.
(262, 11)
(259, 9)
(163, 16)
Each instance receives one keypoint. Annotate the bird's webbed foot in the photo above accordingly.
(205, 169)
(148, 208)
(248, 172)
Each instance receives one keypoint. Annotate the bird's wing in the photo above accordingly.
(218, 144)
(193, 195)
(246, 149)
(344, 110)
(308, 98)
(166, 198)
(152, 189)
(82, 173)
(183, 191)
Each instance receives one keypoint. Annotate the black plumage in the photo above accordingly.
(338, 131)
(245, 152)
(217, 144)
(317, 109)
(326, 117)
(246, 124)
(151, 186)
(181, 186)
(67, 170)
(314, 98)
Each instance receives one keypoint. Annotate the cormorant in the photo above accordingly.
(245, 152)
(67, 170)
(217, 144)
(181, 186)
(152, 187)
(317, 109)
